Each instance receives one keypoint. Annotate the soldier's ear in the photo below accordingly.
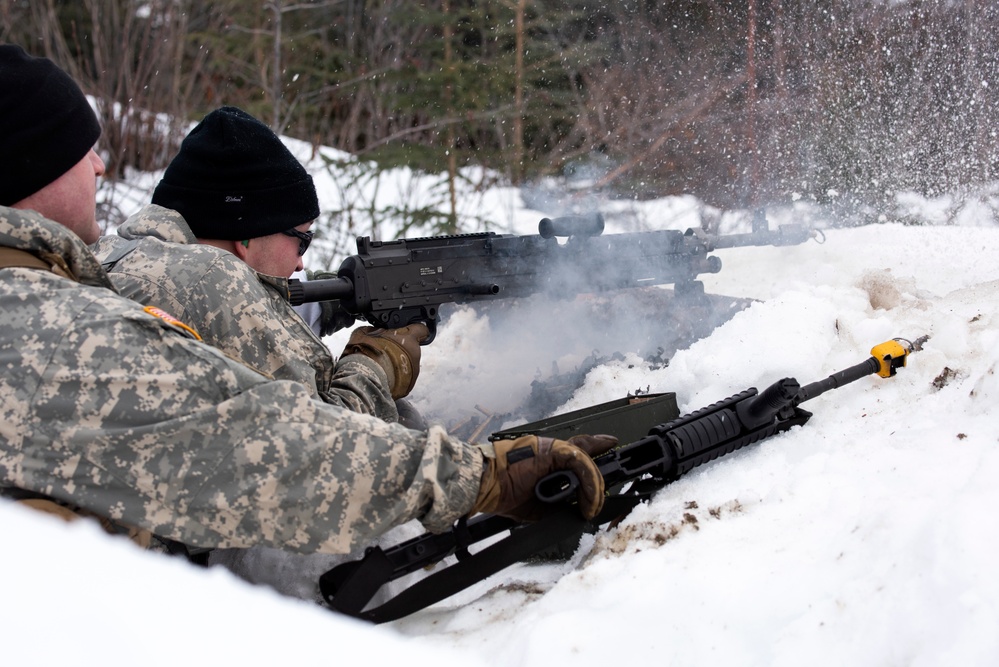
(240, 249)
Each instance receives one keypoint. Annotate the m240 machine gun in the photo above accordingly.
(395, 283)
(633, 473)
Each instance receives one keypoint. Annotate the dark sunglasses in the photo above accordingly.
(304, 239)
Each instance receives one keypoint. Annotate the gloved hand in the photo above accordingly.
(514, 467)
(332, 316)
(397, 351)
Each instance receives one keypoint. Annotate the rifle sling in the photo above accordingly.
(522, 543)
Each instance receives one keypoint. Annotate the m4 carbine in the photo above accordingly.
(395, 283)
(632, 473)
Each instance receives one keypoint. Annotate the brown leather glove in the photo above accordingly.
(397, 351)
(514, 467)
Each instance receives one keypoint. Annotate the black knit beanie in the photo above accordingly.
(234, 180)
(46, 124)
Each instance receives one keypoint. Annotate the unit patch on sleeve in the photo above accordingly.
(172, 321)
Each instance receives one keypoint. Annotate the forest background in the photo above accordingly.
(742, 103)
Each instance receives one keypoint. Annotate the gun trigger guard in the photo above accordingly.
(432, 328)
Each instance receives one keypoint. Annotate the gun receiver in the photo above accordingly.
(648, 464)
(394, 283)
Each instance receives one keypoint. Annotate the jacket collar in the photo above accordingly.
(31, 232)
(162, 223)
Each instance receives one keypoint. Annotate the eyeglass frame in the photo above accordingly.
(304, 239)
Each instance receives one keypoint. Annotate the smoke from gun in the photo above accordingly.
(521, 360)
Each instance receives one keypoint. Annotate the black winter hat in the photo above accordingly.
(234, 180)
(46, 124)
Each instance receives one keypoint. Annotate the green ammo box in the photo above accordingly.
(627, 418)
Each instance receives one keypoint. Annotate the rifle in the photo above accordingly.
(632, 473)
(394, 283)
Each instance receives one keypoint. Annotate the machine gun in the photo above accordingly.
(632, 472)
(394, 283)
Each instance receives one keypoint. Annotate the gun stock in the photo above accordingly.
(632, 472)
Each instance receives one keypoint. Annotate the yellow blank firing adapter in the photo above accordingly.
(891, 355)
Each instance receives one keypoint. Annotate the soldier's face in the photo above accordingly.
(277, 254)
(70, 199)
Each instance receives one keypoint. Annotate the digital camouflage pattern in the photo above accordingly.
(232, 307)
(111, 409)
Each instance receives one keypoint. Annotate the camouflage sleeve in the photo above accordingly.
(258, 326)
(112, 410)
(264, 328)
(359, 384)
(234, 310)
(251, 322)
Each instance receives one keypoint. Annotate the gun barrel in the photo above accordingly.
(839, 378)
(307, 291)
(784, 235)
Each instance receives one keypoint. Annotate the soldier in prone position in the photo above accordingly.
(112, 409)
(228, 223)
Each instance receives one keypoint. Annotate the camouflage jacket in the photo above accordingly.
(109, 408)
(232, 307)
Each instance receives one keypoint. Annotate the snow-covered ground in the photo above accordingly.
(862, 538)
